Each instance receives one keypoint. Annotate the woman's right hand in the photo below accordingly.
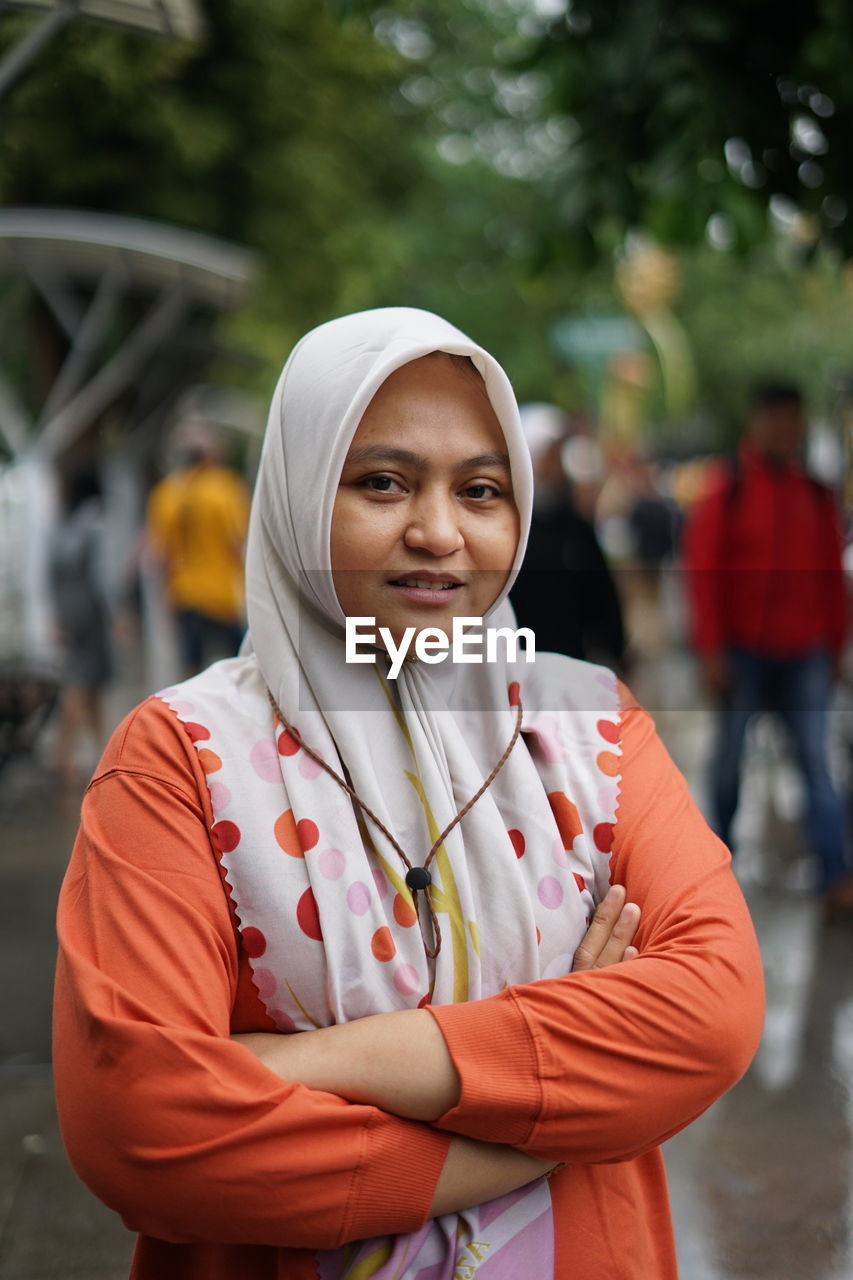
(610, 934)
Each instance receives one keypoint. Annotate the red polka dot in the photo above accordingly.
(603, 836)
(538, 935)
(517, 842)
(382, 944)
(197, 732)
(424, 1001)
(514, 693)
(608, 730)
(308, 833)
(287, 835)
(287, 744)
(226, 834)
(209, 760)
(608, 763)
(404, 912)
(567, 817)
(308, 916)
(254, 943)
(579, 881)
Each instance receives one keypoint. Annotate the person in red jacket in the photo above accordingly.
(763, 555)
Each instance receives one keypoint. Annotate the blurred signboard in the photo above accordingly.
(594, 339)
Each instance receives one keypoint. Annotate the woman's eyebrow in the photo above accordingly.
(495, 459)
(376, 454)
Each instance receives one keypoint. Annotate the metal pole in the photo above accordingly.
(127, 364)
(21, 54)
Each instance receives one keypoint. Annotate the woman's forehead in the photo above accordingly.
(436, 392)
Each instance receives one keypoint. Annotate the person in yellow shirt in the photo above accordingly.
(197, 523)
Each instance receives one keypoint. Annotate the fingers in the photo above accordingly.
(608, 939)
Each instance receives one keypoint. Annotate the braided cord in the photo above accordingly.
(377, 821)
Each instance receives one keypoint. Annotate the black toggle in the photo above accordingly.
(418, 878)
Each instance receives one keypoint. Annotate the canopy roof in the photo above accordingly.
(70, 244)
(180, 19)
(86, 267)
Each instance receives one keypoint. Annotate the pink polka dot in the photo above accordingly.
(358, 898)
(608, 798)
(307, 767)
(265, 982)
(264, 760)
(381, 882)
(254, 942)
(561, 856)
(182, 708)
(308, 917)
(550, 892)
(517, 840)
(283, 1020)
(606, 680)
(332, 864)
(308, 833)
(167, 694)
(226, 835)
(220, 796)
(406, 979)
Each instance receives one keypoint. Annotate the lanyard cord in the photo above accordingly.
(417, 878)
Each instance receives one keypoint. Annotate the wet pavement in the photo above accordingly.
(762, 1184)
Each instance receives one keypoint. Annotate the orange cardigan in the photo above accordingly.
(230, 1173)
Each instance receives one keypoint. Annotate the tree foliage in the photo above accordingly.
(272, 132)
(483, 158)
(714, 112)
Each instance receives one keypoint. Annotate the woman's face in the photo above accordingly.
(425, 524)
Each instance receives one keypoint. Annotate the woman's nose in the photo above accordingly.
(434, 527)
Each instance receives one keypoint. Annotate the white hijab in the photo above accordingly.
(418, 760)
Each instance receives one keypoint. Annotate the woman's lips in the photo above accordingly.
(426, 589)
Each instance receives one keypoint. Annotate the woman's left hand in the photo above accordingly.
(608, 939)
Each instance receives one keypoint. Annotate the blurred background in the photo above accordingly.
(641, 207)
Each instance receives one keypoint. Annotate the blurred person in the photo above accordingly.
(564, 590)
(196, 528)
(79, 598)
(639, 526)
(762, 550)
(347, 981)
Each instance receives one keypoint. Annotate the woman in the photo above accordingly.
(290, 842)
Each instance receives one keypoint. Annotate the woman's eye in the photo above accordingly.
(479, 492)
(381, 484)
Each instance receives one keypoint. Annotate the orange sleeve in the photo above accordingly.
(169, 1121)
(605, 1065)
